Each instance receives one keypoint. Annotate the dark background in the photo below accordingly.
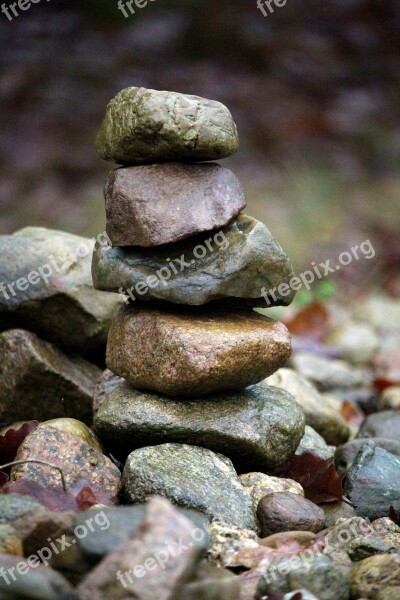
(314, 89)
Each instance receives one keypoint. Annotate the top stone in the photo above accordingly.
(147, 126)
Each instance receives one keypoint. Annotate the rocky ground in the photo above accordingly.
(296, 497)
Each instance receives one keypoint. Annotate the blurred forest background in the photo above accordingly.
(314, 89)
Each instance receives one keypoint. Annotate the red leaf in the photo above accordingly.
(12, 439)
(319, 478)
(311, 322)
(86, 498)
(381, 383)
(352, 414)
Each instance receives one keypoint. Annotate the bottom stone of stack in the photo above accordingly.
(182, 352)
(258, 428)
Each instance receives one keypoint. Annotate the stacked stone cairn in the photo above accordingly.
(191, 349)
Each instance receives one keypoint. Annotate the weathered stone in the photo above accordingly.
(335, 511)
(147, 566)
(106, 384)
(212, 583)
(160, 204)
(226, 541)
(320, 575)
(255, 427)
(259, 485)
(77, 428)
(27, 583)
(78, 460)
(14, 505)
(145, 126)
(371, 483)
(52, 292)
(238, 264)
(385, 424)
(38, 380)
(10, 542)
(345, 455)
(375, 574)
(191, 477)
(319, 415)
(36, 526)
(390, 399)
(329, 374)
(315, 443)
(284, 511)
(390, 593)
(195, 353)
(356, 342)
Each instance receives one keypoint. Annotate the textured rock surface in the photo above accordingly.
(160, 204)
(145, 126)
(259, 485)
(374, 575)
(256, 426)
(211, 583)
(371, 483)
(154, 546)
(105, 385)
(226, 541)
(38, 380)
(385, 424)
(190, 477)
(315, 443)
(237, 263)
(328, 374)
(345, 455)
(319, 415)
(284, 511)
(335, 511)
(14, 505)
(77, 459)
(54, 295)
(195, 353)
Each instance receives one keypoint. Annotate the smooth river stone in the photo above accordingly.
(159, 204)
(257, 427)
(195, 353)
(240, 264)
(144, 126)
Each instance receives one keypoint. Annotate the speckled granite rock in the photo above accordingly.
(160, 204)
(345, 454)
(77, 459)
(145, 126)
(196, 353)
(256, 426)
(39, 381)
(190, 477)
(52, 292)
(259, 485)
(239, 263)
(375, 574)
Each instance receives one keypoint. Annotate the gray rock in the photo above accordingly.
(375, 574)
(161, 204)
(345, 455)
(390, 399)
(240, 263)
(371, 483)
(38, 583)
(357, 343)
(105, 385)
(385, 424)
(155, 563)
(379, 310)
(15, 505)
(315, 443)
(146, 126)
(329, 374)
(283, 511)
(257, 427)
(52, 293)
(212, 583)
(318, 574)
(335, 511)
(190, 477)
(319, 414)
(39, 381)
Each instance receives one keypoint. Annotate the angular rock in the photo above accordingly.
(226, 541)
(385, 424)
(259, 485)
(319, 415)
(237, 264)
(375, 574)
(212, 583)
(147, 566)
(196, 353)
(145, 126)
(345, 455)
(283, 511)
(78, 460)
(371, 483)
(106, 384)
(315, 443)
(46, 287)
(32, 583)
(14, 505)
(161, 204)
(39, 381)
(190, 477)
(255, 427)
(329, 374)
